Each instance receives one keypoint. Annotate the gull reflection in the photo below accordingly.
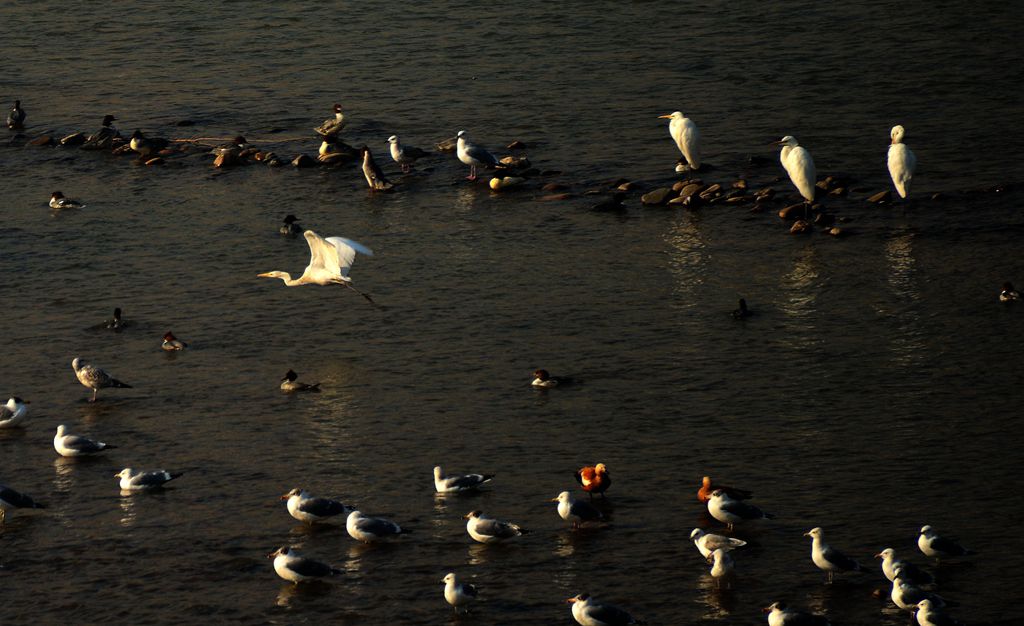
(908, 342)
(719, 602)
(64, 480)
(127, 504)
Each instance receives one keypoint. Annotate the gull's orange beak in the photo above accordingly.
(571, 600)
(285, 497)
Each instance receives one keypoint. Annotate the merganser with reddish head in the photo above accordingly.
(1008, 294)
(58, 201)
(172, 343)
(332, 125)
(544, 380)
(707, 488)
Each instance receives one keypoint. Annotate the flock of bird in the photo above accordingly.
(331, 260)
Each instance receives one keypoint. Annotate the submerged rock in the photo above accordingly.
(42, 140)
(447, 145)
(516, 145)
(657, 197)
(880, 197)
(799, 227)
(74, 139)
(793, 211)
(303, 160)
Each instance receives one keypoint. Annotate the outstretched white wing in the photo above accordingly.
(346, 253)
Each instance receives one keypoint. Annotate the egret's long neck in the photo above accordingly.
(288, 280)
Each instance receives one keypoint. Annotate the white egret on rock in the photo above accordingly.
(329, 263)
(686, 136)
(799, 165)
(902, 161)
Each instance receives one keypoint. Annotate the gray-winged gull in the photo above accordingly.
(459, 483)
(308, 509)
(293, 567)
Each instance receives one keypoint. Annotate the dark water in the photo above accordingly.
(876, 390)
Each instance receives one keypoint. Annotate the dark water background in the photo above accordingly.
(877, 389)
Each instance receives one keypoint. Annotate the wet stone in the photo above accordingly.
(657, 197)
(880, 197)
(799, 227)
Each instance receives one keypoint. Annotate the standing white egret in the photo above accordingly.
(799, 165)
(329, 263)
(902, 161)
(687, 137)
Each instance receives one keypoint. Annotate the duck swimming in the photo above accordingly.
(58, 201)
(290, 383)
(147, 146)
(1008, 294)
(16, 117)
(291, 227)
(172, 343)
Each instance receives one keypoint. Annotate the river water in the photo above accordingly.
(877, 388)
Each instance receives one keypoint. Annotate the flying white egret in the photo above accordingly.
(329, 263)
(902, 161)
(687, 137)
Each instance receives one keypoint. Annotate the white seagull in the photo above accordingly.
(95, 378)
(721, 565)
(457, 484)
(11, 499)
(910, 572)
(486, 529)
(576, 511)
(13, 413)
(937, 547)
(589, 612)
(686, 136)
(310, 510)
(370, 529)
(74, 445)
(458, 594)
(725, 509)
(132, 480)
(928, 614)
(799, 165)
(330, 260)
(293, 567)
(907, 596)
(781, 615)
(405, 156)
(828, 558)
(707, 543)
(473, 155)
(902, 161)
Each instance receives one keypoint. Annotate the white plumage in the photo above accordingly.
(686, 136)
(902, 162)
(330, 260)
(799, 165)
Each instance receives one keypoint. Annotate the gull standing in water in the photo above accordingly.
(907, 596)
(576, 511)
(458, 594)
(473, 155)
(589, 612)
(929, 614)
(799, 165)
(707, 543)
(95, 378)
(74, 445)
(458, 484)
(781, 615)
(828, 558)
(13, 413)
(485, 529)
(293, 567)
(332, 125)
(132, 480)
(405, 156)
(16, 117)
(729, 511)
(370, 529)
(58, 201)
(931, 544)
(330, 260)
(902, 161)
(910, 572)
(310, 510)
(11, 499)
(721, 565)
(686, 136)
